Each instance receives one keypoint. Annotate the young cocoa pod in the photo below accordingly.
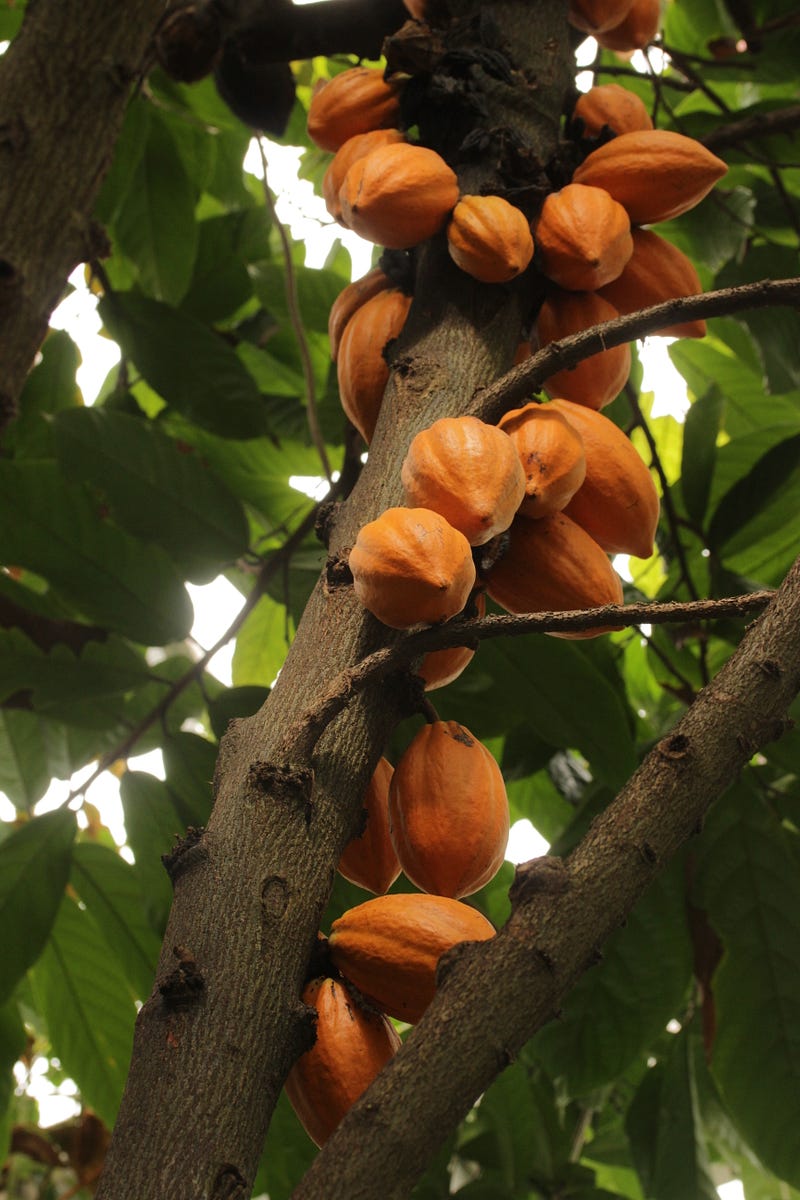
(469, 472)
(597, 380)
(657, 271)
(583, 237)
(489, 238)
(551, 453)
(410, 567)
(370, 859)
(612, 105)
(355, 101)
(389, 947)
(361, 369)
(398, 195)
(448, 811)
(352, 1045)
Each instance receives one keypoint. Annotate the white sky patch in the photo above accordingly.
(660, 375)
(732, 1190)
(77, 313)
(525, 842)
(215, 605)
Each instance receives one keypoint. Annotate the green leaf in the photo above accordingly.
(24, 773)
(88, 1006)
(776, 330)
(56, 678)
(55, 530)
(232, 703)
(128, 153)
(748, 882)
(699, 452)
(49, 387)
(262, 644)
(34, 869)
(108, 887)
(666, 1135)
(157, 490)
(189, 764)
(191, 368)
(12, 1044)
(152, 825)
(620, 1006)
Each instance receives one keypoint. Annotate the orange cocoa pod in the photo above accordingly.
(448, 811)
(654, 174)
(353, 149)
(389, 947)
(592, 16)
(355, 101)
(597, 380)
(398, 195)
(410, 566)
(352, 1045)
(551, 453)
(553, 565)
(469, 472)
(489, 238)
(612, 105)
(634, 31)
(618, 503)
(361, 368)
(370, 860)
(416, 8)
(583, 237)
(656, 271)
(440, 667)
(350, 300)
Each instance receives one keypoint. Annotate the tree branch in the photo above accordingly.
(494, 995)
(782, 120)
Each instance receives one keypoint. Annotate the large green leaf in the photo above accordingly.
(108, 887)
(152, 825)
(189, 763)
(776, 330)
(12, 1044)
(24, 773)
(56, 678)
(88, 1006)
(55, 529)
(262, 644)
(748, 882)
(699, 452)
(193, 369)
(49, 387)
(157, 490)
(34, 869)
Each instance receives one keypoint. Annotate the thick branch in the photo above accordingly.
(782, 120)
(491, 402)
(494, 995)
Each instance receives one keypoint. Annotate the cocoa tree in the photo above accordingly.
(615, 748)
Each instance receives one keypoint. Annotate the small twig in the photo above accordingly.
(305, 734)
(781, 120)
(686, 684)
(516, 385)
(293, 304)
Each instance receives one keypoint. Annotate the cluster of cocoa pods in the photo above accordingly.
(559, 483)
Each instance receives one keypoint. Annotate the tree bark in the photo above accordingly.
(217, 1036)
(64, 84)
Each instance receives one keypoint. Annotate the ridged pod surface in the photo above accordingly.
(553, 565)
(440, 667)
(362, 370)
(657, 271)
(489, 238)
(355, 101)
(612, 105)
(597, 380)
(350, 300)
(469, 472)
(353, 149)
(592, 16)
(654, 174)
(389, 947)
(398, 195)
(352, 1045)
(410, 567)
(636, 30)
(618, 504)
(583, 237)
(551, 453)
(370, 860)
(448, 811)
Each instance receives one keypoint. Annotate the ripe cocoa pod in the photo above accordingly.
(361, 369)
(350, 300)
(634, 31)
(410, 567)
(553, 565)
(592, 16)
(398, 195)
(583, 237)
(654, 174)
(469, 472)
(551, 453)
(389, 947)
(597, 380)
(355, 101)
(448, 811)
(618, 503)
(440, 667)
(612, 105)
(657, 271)
(353, 149)
(370, 860)
(353, 1044)
(489, 238)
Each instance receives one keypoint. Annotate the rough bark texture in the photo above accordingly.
(494, 995)
(215, 1039)
(64, 84)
